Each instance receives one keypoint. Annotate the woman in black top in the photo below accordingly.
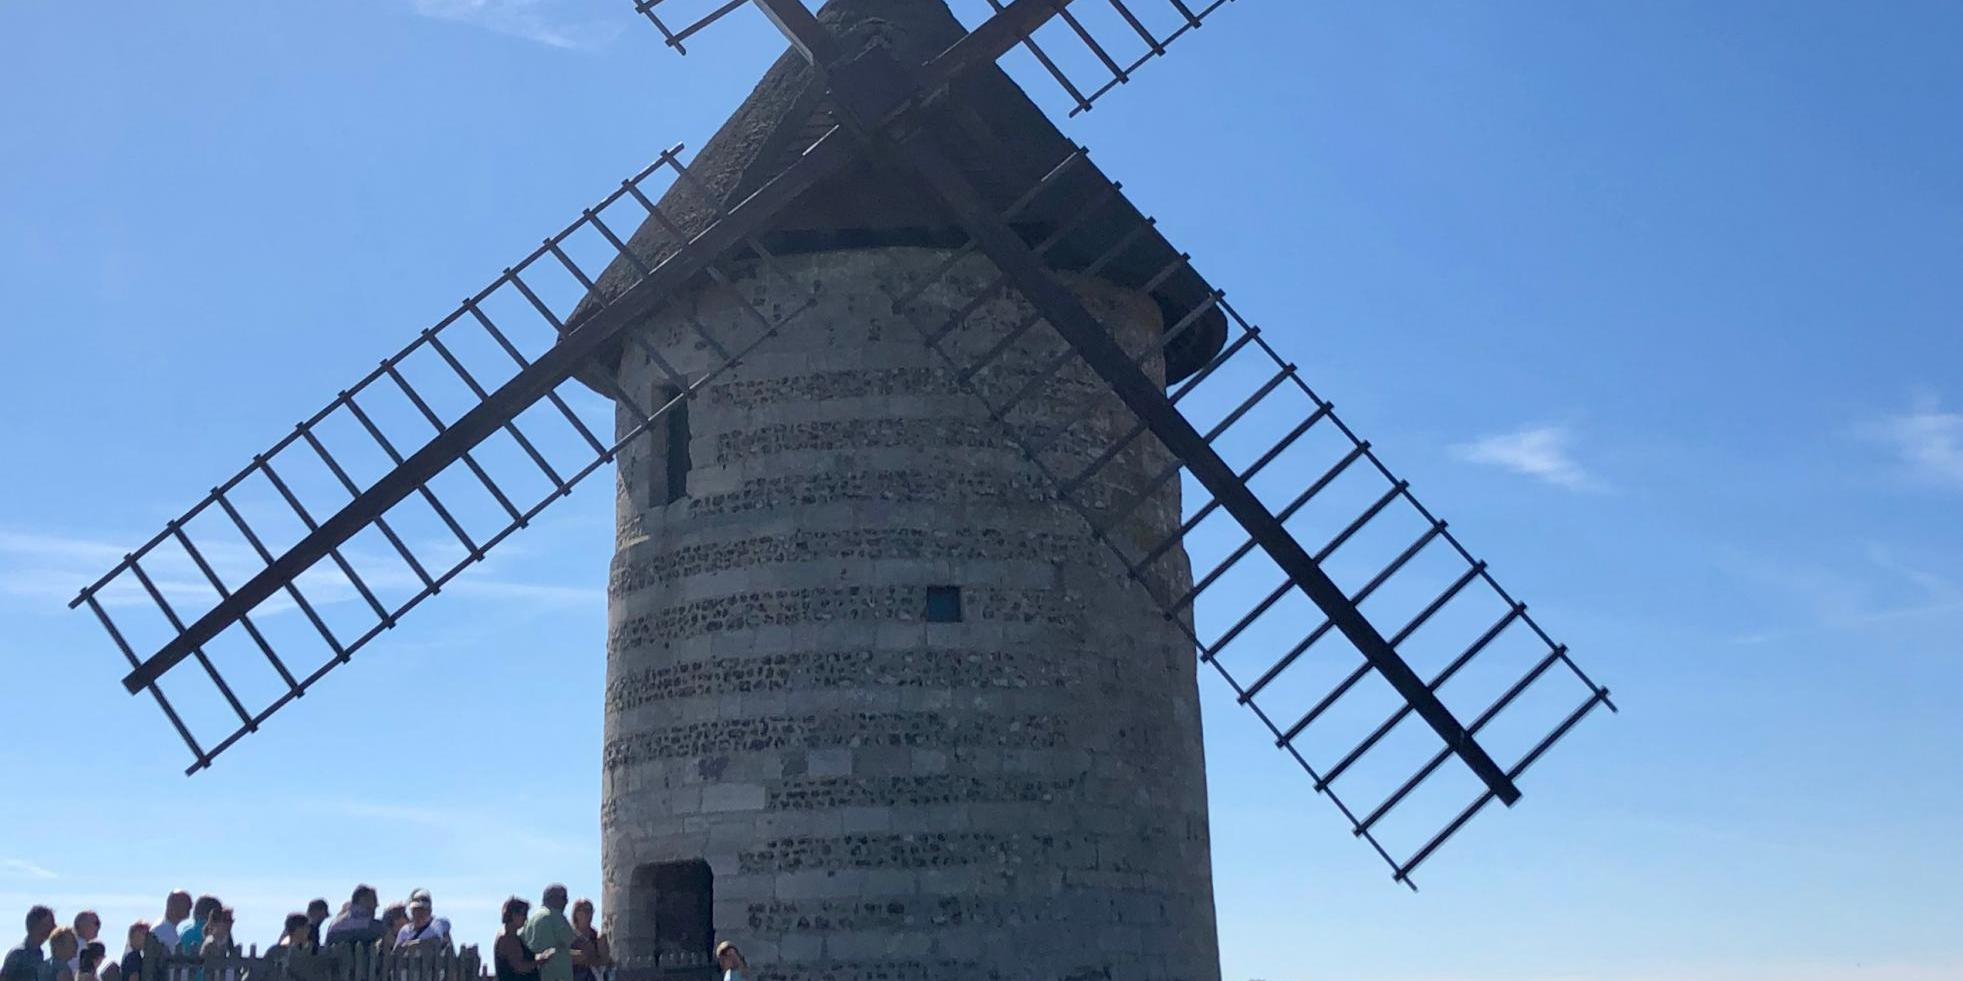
(139, 938)
(512, 959)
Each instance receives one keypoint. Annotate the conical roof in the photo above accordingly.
(870, 205)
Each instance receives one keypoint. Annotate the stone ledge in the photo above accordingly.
(790, 607)
(926, 730)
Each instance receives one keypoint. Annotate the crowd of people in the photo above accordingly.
(554, 943)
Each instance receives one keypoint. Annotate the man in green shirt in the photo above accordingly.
(548, 929)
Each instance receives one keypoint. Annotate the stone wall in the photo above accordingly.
(1018, 795)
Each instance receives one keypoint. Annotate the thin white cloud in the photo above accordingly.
(56, 547)
(1927, 441)
(1886, 589)
(465, 829)
(543, 21)
(23, 867)
(1540, 452)
(49, 569)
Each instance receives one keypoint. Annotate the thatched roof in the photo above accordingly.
(870, 206)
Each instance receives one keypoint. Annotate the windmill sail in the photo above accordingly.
(1439, 640)
(942, 150)
(547, 304)
(1085, 49)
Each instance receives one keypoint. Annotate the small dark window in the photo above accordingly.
(943, 604)
(668, 465)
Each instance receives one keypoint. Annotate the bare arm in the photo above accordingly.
(514, 954)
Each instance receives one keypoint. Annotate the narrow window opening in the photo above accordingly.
(943, 604)
(669, 463)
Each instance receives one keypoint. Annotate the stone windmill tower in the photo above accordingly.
(917, 419)
(863, 669)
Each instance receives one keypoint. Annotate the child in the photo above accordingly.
(89, 961)
(734, 967)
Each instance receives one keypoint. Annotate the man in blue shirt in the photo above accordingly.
(23, 963)
(191, 943)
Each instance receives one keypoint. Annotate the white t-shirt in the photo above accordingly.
(438, 928)
(75, 962)
(166, 932)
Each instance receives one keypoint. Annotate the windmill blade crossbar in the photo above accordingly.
(1467, 643)
(1093, 47)
(1085, 48)
(474, 428)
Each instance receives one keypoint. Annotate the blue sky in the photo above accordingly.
(1657, 303)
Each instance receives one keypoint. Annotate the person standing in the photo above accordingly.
(590, 953)
(297, 956)
(218, 944)
(357, 924)
(549, 930)
(89, 961)
(425, 930)
(192, 940)
(87, 926)
(177, 906)
(61, 949)
(317, 913)
(734, 967)
(139, 938)
(511, 957)
(218, 934)
(394, 918)
(23, 963)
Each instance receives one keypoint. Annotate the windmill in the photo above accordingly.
(922, 430)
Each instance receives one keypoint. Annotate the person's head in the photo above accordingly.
(514, 913)
(364, 898)
(554, 898)
(177, 906)
(297, 929)
(729, 958)
(395, 916)
(220, 924)
(317, 912)
(205, 906)
(139, 934)
(87, 925)
(583, 914)
(91, 957)
(40, 924)
(420, 913)
(63, 945)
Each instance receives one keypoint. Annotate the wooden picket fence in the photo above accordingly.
(365, 962)
(334, 962)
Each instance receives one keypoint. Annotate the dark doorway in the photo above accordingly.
(681, 897)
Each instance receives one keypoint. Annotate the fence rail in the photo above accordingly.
(364, 962)
(333, 962)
